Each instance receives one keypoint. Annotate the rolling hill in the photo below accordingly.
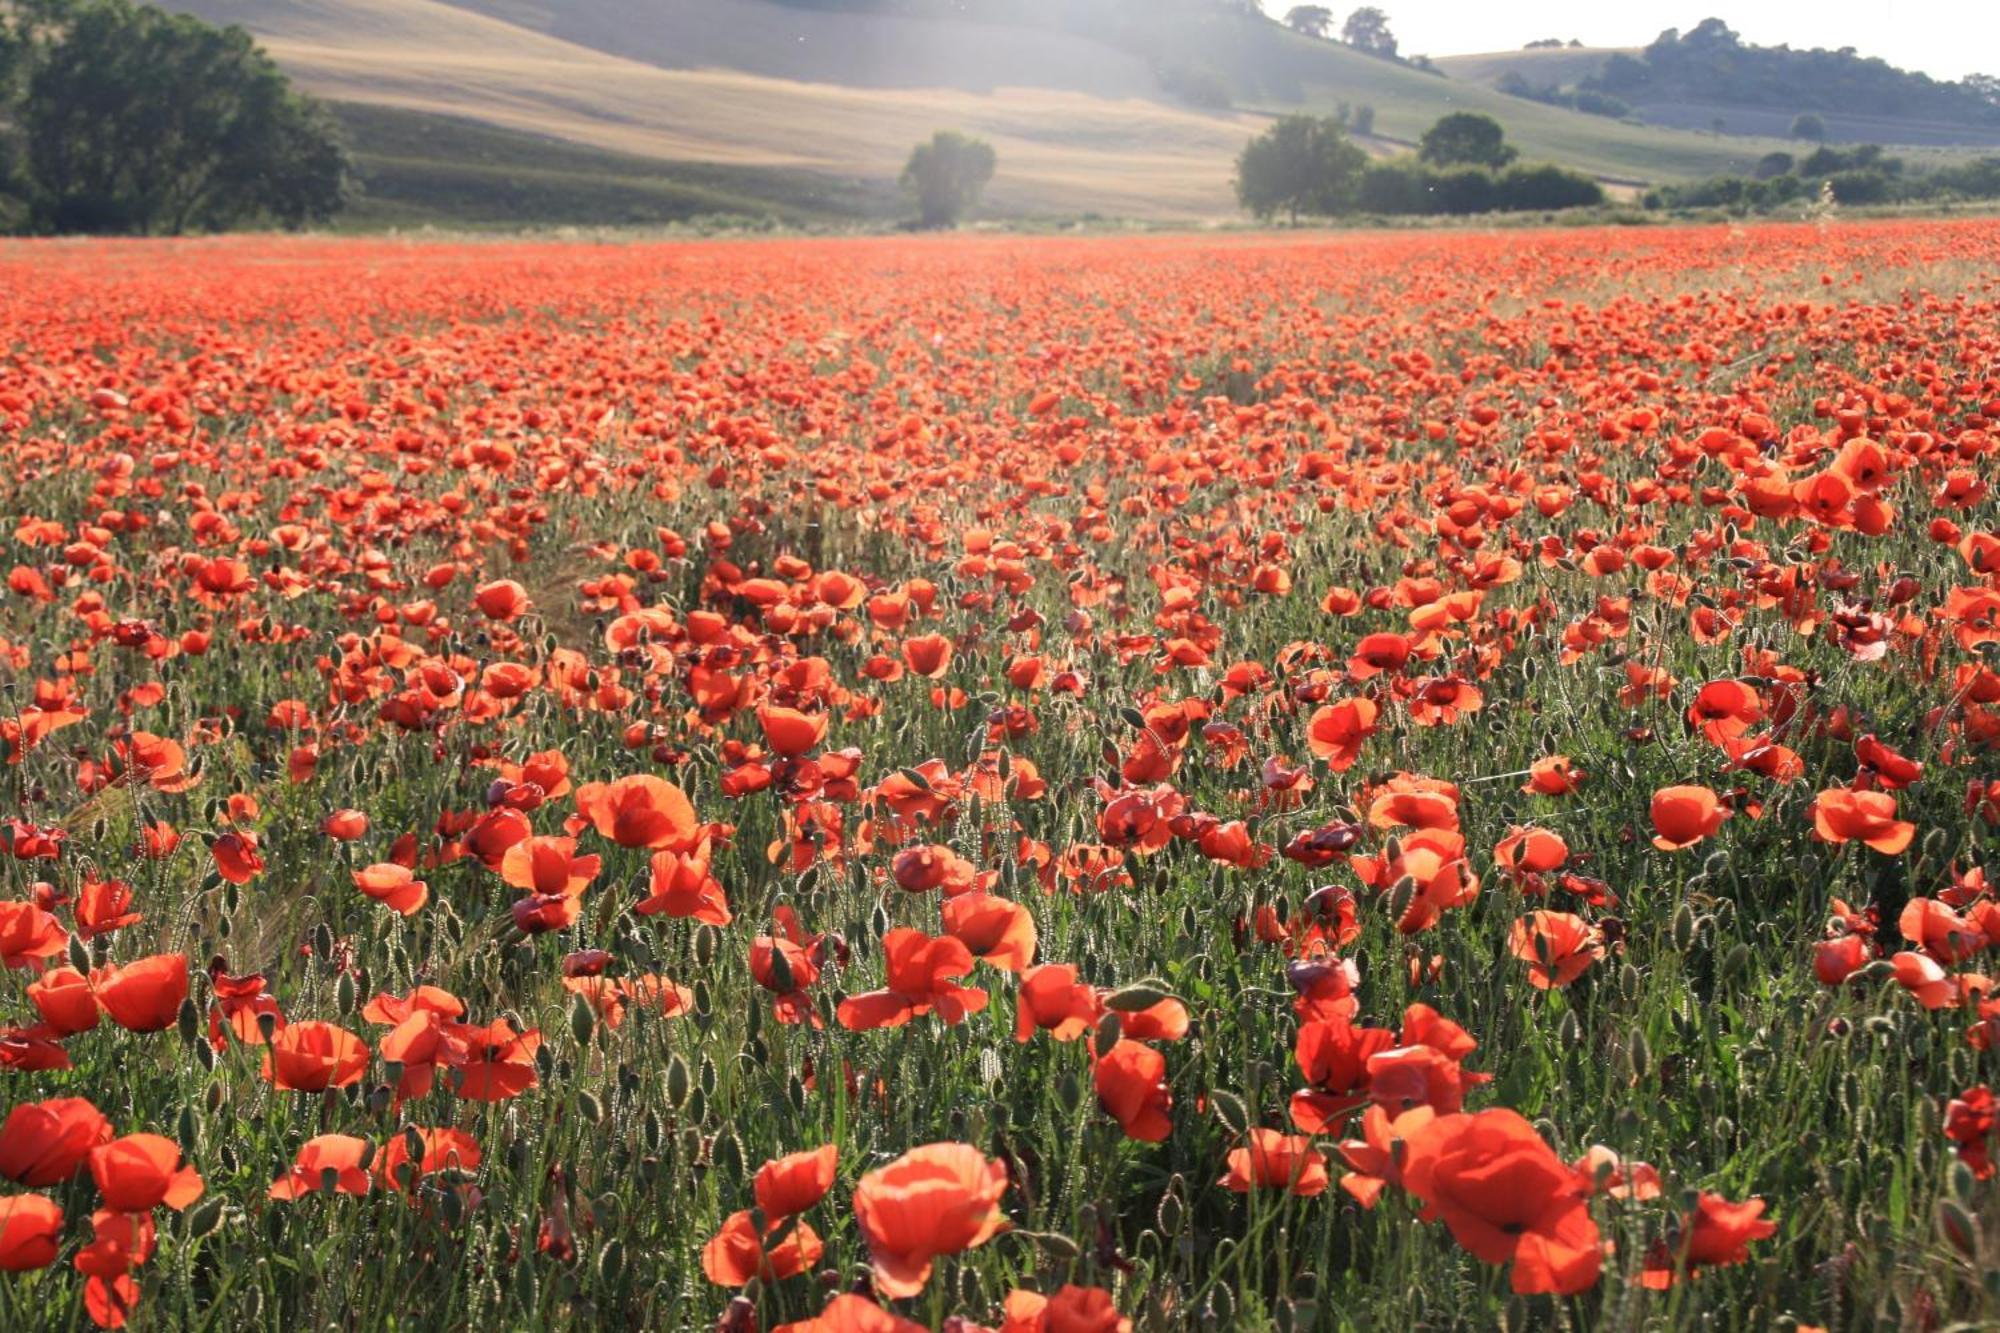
(812, 100)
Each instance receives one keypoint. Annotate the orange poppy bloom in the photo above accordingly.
(921, 973)
(1841, 815)
(139, 1172)
(1506, 1198)
(314, 1056)
(787, 1186)
(341, 1155)
(393, 886)
(30, 1232)
(1275, 1161)
(996, 929)
(28, 934)
(143, 996)
(1050, 998)
(736, 1256)
(1072, 1309)
(940, 1199)
(1558, 947)
(1683, 816)
(1717, 1233)
(849, 1313)
(640, 811)
(549, 867)
(1131, 1084)
(45, 1143)
(1336, 732)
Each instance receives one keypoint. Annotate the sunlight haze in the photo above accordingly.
(1942, 39)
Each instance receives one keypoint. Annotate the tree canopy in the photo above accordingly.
(946, 174)
(133, 120)
(1367, 29)
(1466, 137)
(1302, 164)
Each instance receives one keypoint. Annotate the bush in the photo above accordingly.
(1544, 185)
(946, 175)
(1197, 86)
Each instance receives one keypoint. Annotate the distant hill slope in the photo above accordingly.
(1070, 92)
(1709, 74)
(1540, 66)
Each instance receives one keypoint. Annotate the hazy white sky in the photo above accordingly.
(1946, 39)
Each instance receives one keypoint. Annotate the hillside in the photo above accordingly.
(1541, 66)
(1691, 80)
(1068, 91)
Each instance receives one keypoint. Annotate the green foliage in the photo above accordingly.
(1410, 186)
(1312, 20)
(1301, 165)
(1807, 125)
(1367, 29)
(1710, 63)
(1466, 137)
(1859, 175)
(946, 176)
(134, 120)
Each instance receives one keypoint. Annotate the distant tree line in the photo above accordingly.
(1587, 100)
(123, 118)
(1305, 166)
(1864, 174)
(1710, 63)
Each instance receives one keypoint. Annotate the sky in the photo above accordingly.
(1946, 39)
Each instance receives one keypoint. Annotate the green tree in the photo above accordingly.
(1312, 20)
(1466, 137)
(1367, 29)
(1808, 125)
(1302, 164)
(946, 175)
(134, 120)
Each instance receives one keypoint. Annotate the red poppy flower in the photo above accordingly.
(640, 811)
(314, 1056)
(394, 887)
(1715, 1234)
(1131, 1084)
(942, 1198)
(1506, 1197)
(30, 1232)
(143, 996)
(341, 1156)
(140, 1172)
(1683, 816)
(45, 1143)
(1276, 1161)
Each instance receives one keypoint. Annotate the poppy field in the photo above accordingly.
(1400, 781)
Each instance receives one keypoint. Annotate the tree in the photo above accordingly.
(1466, 137)
(1364, 119)
(946, 176)
(134, 120)
(1312, 20)
(1807, 125)
(1302, 164)
(1367, 29)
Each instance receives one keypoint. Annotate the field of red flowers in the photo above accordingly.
(1384, 782)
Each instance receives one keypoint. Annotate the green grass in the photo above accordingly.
(417, 169)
